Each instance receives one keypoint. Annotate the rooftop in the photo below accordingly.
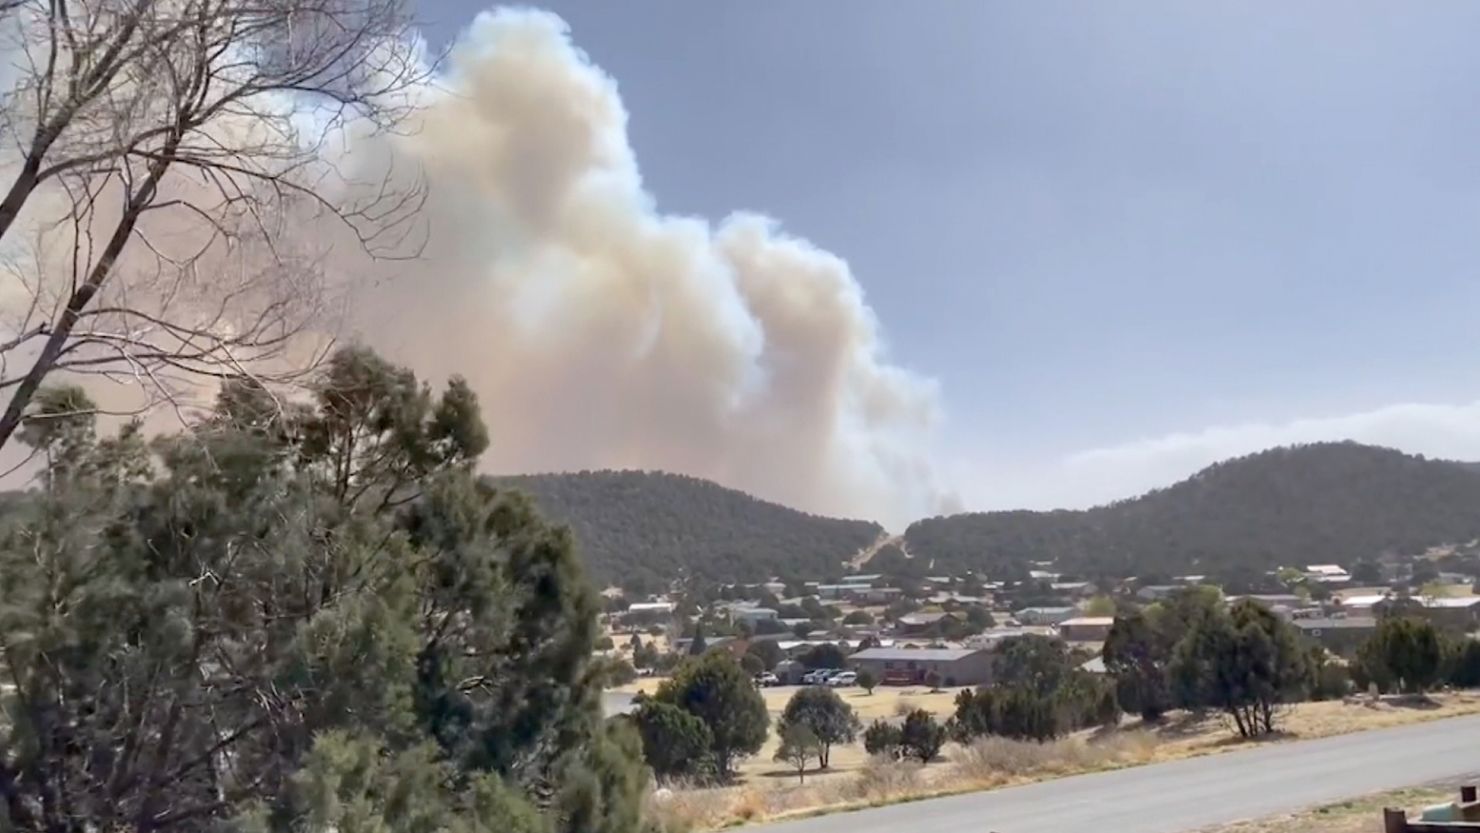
(1325, 624)
(923, 618)
(1089, 621)
(927, 654)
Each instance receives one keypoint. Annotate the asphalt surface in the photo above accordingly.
(1187, 795)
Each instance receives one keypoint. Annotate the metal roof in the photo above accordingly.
(928, 654)
(1323, 624)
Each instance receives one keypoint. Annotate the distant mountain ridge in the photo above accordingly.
(1324, 502)
(642, 529)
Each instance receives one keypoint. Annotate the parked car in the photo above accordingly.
(818, 676)
(767, 679)
(845, 678)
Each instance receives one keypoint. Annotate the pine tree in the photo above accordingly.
(384, 642)
(714, 689)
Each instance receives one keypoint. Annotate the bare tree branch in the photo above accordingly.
(187, 145)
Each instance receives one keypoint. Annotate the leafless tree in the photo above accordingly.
(167, 155)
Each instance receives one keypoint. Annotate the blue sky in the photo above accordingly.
(1126, 239)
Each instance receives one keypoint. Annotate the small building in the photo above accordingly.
(1327, 573)
(1460, 613)
(1362, 603)
(911, 666)
(1157, 592)
(1073, 588)
(652, 607)
(1043, 615)
(840, 591)
(1086, 628)
(1341, 635)
(874, 595)
(920, 623)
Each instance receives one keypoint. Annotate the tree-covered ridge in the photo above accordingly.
(638, 528)
(1325, 502)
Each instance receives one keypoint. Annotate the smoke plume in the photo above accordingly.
(602, 333)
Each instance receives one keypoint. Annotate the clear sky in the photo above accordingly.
(1126, 239)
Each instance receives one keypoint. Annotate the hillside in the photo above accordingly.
(644, 529)
(1327, 502)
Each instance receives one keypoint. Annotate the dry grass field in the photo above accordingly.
(1363, 815)
(770, 790)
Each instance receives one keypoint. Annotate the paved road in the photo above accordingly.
(1187, 795)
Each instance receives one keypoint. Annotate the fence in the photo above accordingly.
(1466, 818)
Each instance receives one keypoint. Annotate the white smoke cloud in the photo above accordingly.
(600, 332)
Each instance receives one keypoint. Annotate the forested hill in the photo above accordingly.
(1321, 503)
(644, 529)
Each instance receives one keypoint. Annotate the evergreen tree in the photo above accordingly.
(1136, 658)
(1403, 653)
(674, 742)
(883, 738)
(1246, 662)
(714, 689)
(767, 651)
(383, 641)
(921, 736)
(698, 645)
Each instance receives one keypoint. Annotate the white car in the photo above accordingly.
(844, 678)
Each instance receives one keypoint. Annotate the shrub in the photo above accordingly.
(674, 742)
(1404, 653)
(752, 665)
(1464, 665)
(921, 736)
(883, 738)
(933, 679)
(798, 745)
(867, 680)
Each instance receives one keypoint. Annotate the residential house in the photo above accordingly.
(874, 595)
(1327, 573)
(1340, 635)
(1086, 628)
(1363, 603)
(1157, 592)
(911, 666)
(1043, 615)
(652, 607)
(1074, 588)
(916, 624)
(1460, 613)
(839, 591)
(753, 614)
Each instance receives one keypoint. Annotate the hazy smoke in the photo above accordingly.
(602, 333)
